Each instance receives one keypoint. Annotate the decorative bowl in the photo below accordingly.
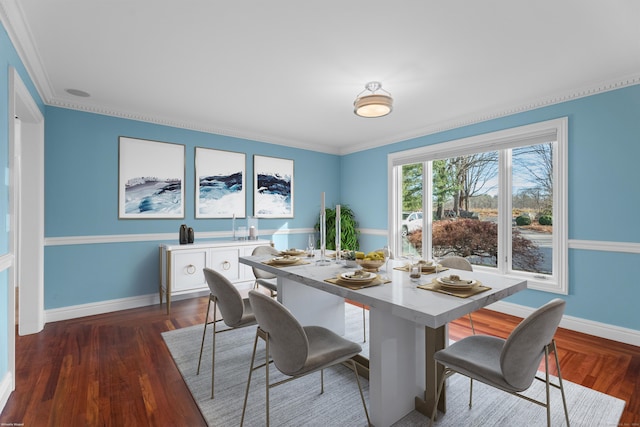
(370, 264)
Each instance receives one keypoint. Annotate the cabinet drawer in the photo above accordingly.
(225, 262)
(187, 270)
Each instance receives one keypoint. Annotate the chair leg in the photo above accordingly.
(445, 374)
(564, 400)
(546, 377)
(473, 329)
(206, 322)
(266, 366)
(470, 392)
(246, 393)
(364, 404)
(213, 347)
(321, 381)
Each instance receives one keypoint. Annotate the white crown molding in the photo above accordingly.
(20, 36)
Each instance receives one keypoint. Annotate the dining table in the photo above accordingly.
(407, 323)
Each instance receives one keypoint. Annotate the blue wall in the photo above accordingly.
(604, 150)
(81, 158)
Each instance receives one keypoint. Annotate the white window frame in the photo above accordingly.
(536, 133)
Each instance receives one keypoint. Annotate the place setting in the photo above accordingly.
(425, 267)
(455, 285)
(358, 279)
(285, 261)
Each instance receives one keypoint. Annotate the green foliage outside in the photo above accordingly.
(545, 220)
(523, 220)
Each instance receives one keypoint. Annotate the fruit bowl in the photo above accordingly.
(370, 264)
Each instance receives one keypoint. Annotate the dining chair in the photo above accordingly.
(459, 263)
(264, 278)
(236, 312)
(510, 365)
(296, 350)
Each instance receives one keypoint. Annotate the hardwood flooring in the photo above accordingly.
(115, 370)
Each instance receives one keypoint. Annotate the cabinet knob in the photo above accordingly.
(191, 269)
(226, 265)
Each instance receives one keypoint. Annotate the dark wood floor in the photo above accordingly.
(114, 369)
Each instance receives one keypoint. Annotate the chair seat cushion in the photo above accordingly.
(326, 348)
(478, 357)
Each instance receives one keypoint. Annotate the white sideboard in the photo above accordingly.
(181, 265)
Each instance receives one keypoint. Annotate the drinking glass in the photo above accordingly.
(387, 252)
(311, 244)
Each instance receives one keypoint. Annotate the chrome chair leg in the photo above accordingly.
(246, 393)
(213, 346)
(206, 322)
(364, 404)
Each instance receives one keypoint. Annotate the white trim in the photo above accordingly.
(7, 385)
(596, 245)
(101, 307)
(602, 330)
(163, 237)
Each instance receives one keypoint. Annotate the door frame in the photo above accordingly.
(26, 195)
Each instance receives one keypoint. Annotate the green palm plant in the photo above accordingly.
(348, 229)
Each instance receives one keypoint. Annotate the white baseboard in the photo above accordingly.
(6, 388)
(91, 309)
(602, 330)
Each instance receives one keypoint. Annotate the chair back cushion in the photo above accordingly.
(229, 299)
(288, 342)
(525, 346)
(264, 250)
(457, 262)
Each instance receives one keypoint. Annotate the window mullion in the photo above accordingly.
(504, 211)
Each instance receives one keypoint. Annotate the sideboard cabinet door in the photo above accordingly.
(187, 270)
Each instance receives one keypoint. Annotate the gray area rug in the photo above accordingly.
(299, 402)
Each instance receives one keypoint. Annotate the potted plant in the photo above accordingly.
(348, 229)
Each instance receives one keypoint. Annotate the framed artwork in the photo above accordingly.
(220, 184)
(273, 187)
(151, 179)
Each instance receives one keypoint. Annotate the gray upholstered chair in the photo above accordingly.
(264, 278)
(296, 350)
(510, 365)
(459, 263)
(236, 312)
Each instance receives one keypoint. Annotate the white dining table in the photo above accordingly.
(407, 325)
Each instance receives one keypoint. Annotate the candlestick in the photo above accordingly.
(338, 234)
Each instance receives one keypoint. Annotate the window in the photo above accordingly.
(497, 199)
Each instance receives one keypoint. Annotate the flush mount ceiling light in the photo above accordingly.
(374, 104)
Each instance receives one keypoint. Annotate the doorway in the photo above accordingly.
(26, 196)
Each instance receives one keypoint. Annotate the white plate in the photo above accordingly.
(285, 260)
(292, 252)
(365, 277)
(458, 284)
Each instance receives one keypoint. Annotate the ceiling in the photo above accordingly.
(287, 71)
